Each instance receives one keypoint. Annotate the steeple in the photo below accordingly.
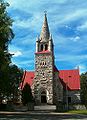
(44, 42)
(44, 36)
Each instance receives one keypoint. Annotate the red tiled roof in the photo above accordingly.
(29, 76)
(45, 51)
(71, 78)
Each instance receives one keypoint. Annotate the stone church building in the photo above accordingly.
(50, 85)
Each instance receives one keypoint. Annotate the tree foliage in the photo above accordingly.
(10, 75)
(84, 88)
(6, 35)
(15, 77)
(27, 94)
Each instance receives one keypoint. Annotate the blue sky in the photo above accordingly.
(67, 21)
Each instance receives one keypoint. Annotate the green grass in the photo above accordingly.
(78, 112)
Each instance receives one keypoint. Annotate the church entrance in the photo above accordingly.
(43, 97)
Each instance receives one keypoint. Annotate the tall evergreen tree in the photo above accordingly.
(6, 35)
(27, 94)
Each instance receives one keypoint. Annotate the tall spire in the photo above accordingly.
(44, 36)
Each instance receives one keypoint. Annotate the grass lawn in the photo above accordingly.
(78, 112)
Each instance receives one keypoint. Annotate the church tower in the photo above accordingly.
(44, 64)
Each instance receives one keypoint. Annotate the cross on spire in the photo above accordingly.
(45, 12)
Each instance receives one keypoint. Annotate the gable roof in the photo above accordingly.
(69, 78)
(29, 76)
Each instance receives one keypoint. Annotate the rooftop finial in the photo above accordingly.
(45, 12)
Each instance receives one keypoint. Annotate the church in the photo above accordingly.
(50, 85)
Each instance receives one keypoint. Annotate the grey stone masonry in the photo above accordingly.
(75, 96)
(57, 89)
(43, 80)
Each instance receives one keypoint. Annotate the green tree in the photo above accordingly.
(6, 35)
(27, 94)
(84, 88)
(15, 78)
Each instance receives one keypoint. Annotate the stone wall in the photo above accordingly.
(75, 96)
(43, 77)
(77, 107)
(57, 88)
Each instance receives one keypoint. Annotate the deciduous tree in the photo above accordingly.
(84, 88)
(6, 35)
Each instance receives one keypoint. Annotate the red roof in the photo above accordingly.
(44, 51)
(71, 78)
(29, 76)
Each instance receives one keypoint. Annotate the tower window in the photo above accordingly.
(41, 47)
(45, 63)
(46, 47)
(43, 73)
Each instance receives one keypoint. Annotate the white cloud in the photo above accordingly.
(82, 27)
(21, 4)
(82, 68)
(70, 57)
(75, 39)
(60, 13)
(21, 23)
(27, 62)
(67, 14)
(31, 23)
(72, 16)
(16, 53)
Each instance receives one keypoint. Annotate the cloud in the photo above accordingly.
(16, 53)
(29, 4)
(24, 64)
(71, 58)
(29, 62)
(82, 27)
(32, 24)
(81, 67)
(70, 16)
(75, 39)
(67, 21)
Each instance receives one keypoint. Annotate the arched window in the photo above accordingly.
(45, 63)
(41, 47)
(46, 47)
(43, 92)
